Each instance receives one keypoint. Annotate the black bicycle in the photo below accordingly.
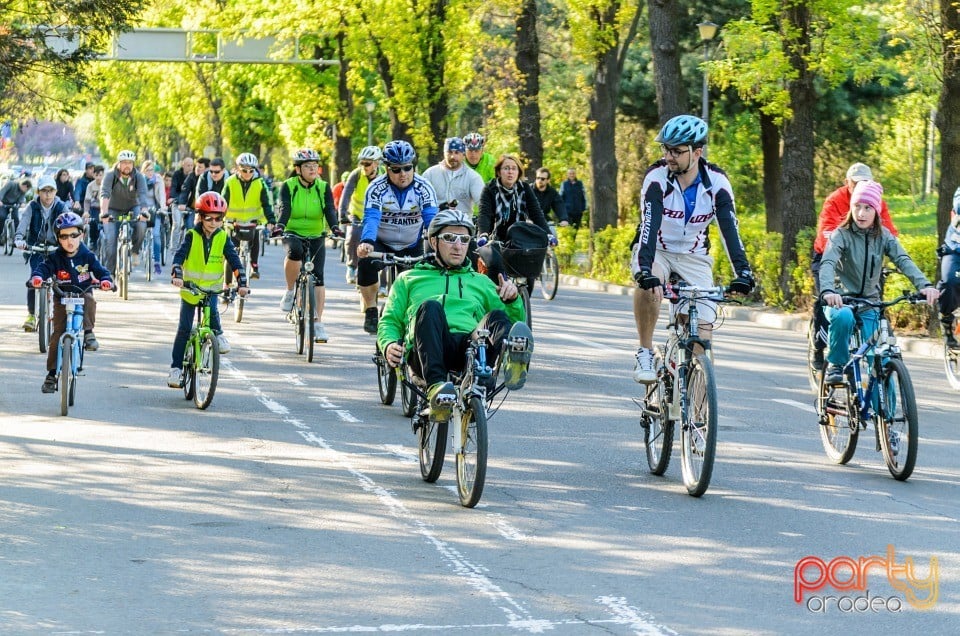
(304, 300)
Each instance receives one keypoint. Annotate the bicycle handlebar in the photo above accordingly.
(862, 304)
(190, 286)
(40, 249)
(675, 292)
(388, 258)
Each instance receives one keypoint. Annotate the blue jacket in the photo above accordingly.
(79, 270)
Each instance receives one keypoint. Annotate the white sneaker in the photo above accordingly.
(175, 379)
(286, 303)
(319, 333)
(224, 344)
(351, 275)
(644, 372)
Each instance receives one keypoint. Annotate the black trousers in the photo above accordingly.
(436, 349)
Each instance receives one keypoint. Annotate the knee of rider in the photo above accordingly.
(430, 308)
(842, 319)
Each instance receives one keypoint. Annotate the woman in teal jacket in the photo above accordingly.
(435, 309)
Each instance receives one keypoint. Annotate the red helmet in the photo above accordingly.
(211, 203)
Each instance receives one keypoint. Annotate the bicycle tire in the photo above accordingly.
(386, 379)
(164, 239)
(525, 299)
(898, 416)
(432, 447)
(550, 276)
(41, 306)
(698, 432)
(408, 397)
(189, 390)
(297, 317)
(75, 376)
(472, 454)
(951, 366)
(309, 336)
(838, 430)
(655, 419)
(146, 251)
(207, 371)
(66, 365)
(9, 237)
(813, 376)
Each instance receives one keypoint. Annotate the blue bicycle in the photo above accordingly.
(876, 388)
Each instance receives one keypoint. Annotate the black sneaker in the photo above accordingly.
(518, 350)
(49, 384)
(834, 375)
(442, 397)
(370, 320)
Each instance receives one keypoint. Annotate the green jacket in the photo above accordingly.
(853, 259)
(466, 297)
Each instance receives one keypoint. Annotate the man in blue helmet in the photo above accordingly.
(682, 196)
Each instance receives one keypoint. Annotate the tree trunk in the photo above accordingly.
(342, 148)
(603, 160)
(948, 117)
(528, 87)
(664, 17)
(798, 141)
(434, 63)
(214, 102)
(770, 144)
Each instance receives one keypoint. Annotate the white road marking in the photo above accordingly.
(640, 622)
(800, 405)
(584, 341)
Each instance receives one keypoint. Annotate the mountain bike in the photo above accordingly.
(201, 358)
(9, 231)
(43, 301)
(387, 376)
(124, 254)
(685, 392)
(877, 388)
(244, 232)
(304, 301)
(476, 389)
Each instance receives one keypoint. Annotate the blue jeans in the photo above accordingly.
(187, 312)
(841, 328)
(157, 222)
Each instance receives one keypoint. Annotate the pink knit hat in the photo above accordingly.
(869, 192)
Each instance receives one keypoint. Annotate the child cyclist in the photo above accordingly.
(854, 257)
(200, 260)
(74, 265)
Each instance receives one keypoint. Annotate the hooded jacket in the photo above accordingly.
(853, 260)
(466, 297)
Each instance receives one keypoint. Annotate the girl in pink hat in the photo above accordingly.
(851, 266)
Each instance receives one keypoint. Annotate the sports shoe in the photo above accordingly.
(643, 372)
(49, 384)
(351, 275)
(518, 350)
(833, 374)
(319, 333)
(90, 342)
(256, 271)
(157, 270)
(370, 320)
(175, 379)
(224, 344)
(441, 397)
(894, 441)
(286, 303)
(382, 292)
(30, 324)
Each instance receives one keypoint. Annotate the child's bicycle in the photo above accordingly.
(201, 358)
(70, 346)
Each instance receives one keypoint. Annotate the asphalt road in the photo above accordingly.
(294, 504)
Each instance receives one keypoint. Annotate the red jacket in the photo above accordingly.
(835, 209)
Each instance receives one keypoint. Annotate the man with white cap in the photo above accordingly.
(835, 209)
(36, 230)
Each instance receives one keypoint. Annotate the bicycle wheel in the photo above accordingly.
(838, 431)
(9, 237)
(66, 365)
(951, 364)
(472, 454)
(698, 433)
(655, 420)
(386, 379)
(408, 397)
(207, 371)
(189, 390)
(146, 252)
(78, 353)
(297, 317)
(813, 375)
(308, 312)
(44, 316)
(432, 444)
(164, 239)
(550, 276)
(525, 299)
(123, 271)
(896, 420)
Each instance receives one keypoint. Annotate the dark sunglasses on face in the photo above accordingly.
(449, 237)
(215, 172)
(71, 235)
(212, 218)
(399, 169)
(247, 170)
(367, 164)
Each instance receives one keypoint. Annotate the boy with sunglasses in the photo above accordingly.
(200, 260)
(435, 309)
(74, 265)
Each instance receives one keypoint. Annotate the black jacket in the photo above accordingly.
(549, 199)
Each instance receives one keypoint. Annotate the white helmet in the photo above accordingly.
(248, 159)
(127, 155)
(370, 153)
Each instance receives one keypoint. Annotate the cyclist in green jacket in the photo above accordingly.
(435, 309)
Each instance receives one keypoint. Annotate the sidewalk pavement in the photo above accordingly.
(765, 316)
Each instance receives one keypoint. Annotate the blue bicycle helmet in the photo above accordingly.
(683, 130)
(399, 152)
(68, 220)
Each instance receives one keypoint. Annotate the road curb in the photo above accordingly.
(764, 316)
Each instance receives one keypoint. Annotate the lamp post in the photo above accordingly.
(370, 106)
(708, 30)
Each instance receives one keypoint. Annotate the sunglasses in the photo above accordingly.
(216, 172)
(212, 218)
(72, 235)
(367, 164)
(676, 153)
(449, 237)
(399, 169)
(247, 170)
